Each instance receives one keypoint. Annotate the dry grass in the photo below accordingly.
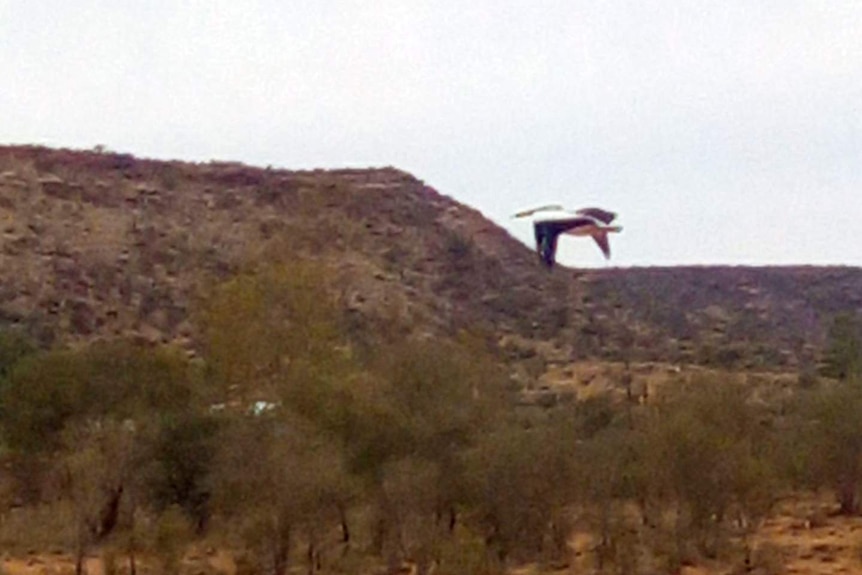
(217, 563)
(803, 537)
(586, 379)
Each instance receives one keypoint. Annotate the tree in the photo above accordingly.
(420, 406)
(272, 329)
(277, 479)
(408, 523)
(44, 392)
(13, 348)
(522, 480)
(274, 333)
(181, 451)
(843, 358)
(612, 471)
(714, 458)
(102, 416)
(442, 393)
(828, 435)
(134, 382)
(94, 467)
(40, 395)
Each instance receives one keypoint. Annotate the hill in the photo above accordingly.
(97, 244)
(732, 317)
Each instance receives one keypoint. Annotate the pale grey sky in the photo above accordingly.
(723, 132)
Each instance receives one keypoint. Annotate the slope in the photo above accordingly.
(97, 244)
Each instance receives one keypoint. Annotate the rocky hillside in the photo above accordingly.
(724, 316)
(103, 244)
(98, 244)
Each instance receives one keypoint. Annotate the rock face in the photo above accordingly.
(99, 245)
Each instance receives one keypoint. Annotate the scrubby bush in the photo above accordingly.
(285, 445)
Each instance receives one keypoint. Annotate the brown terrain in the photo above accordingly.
(98, 245)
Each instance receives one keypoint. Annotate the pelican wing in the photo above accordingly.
(569, 224)
(604, 245)
(603, 216)
(532, 211)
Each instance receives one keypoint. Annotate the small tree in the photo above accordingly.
(829, 438)
(13, 348)
(611, 470)
(278, 479)
(272, 330)
(714, 458)
(94, 467)
(843, 358)
(523, 480)
(45, 392)
(438, 398)
(172, 533)
(181, 448)
(40, 395)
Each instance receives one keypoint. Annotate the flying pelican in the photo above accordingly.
(593, 222)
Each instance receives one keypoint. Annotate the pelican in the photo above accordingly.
(593, 222)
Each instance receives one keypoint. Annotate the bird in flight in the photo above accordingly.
(593, 222)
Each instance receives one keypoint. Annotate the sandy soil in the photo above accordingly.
(805, 536)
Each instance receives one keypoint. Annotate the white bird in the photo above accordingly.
(593, 222)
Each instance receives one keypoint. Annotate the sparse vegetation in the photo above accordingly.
(291, 450)
(261, 418)
(843, 357)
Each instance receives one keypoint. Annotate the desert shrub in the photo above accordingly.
(824, 445)
(457, 246)
(807, 376)
(37, 527)
(173, 533)
(843, 356)
(45, 391)
(714, 458)
(168, 175)
(593, 415)
(409, 421)
(278, 480)
(110, 561)
(274, 331)
(94, 467)
(40, 395)
(464, 554)
(767, 558)
(522, 481)
(396, 258)
(14, 347)
(179, 461)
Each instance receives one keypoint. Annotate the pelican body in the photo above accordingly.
(593, 222)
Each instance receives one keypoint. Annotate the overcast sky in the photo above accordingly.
(722, 132)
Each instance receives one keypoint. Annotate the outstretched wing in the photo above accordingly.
(604, 245)
(571, 224)
(603, 216)
(532, 211)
